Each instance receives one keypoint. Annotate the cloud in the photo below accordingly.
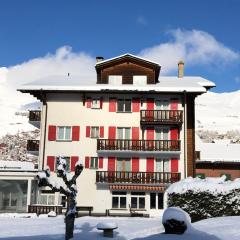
(141, 20)
(194, 47)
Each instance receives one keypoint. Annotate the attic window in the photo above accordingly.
(115, 79)
(140, 80)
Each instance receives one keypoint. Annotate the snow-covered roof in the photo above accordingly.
(220, 151)
(77, 83)
(16, 166)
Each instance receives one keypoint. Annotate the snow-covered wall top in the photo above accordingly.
(16, 166)
(212, 185)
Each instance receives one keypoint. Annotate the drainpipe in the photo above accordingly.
(184, 132)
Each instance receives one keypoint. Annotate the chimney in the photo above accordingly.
(99, 59)
(180, 69)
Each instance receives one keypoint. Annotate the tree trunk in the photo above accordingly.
(70, 217)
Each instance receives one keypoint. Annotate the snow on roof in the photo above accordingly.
(220, 151)
(6, 165)
(77, 83)
(124, 55)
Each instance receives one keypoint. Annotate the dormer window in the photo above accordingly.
(95, 103)
(115, 79)
(139, 80)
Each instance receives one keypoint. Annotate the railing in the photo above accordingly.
(136, 177)
(44, 209)
(34, 115)
(161, 116)
(138, 145)
(32, 145)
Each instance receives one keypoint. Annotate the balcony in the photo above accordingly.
(35, 118)
(161, 117)
(117, 177)
(33, 146)
(138, 145)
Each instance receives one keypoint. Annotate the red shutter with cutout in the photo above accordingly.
(150, 165)
(101, 132)
(74, 160)
(75, 133)
(174, 104)
(111, 164)
(136, 105)
(150, 134)
(174, 134)
(135, 164)
(51, 163)
(87, 160)
(89, 102)
(150, 104)
(111, 132)
(100, 162)
(112, 104)
(174, 165)
(88, 131)
(135, 133)
(52, 130)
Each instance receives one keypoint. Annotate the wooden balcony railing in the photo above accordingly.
(32, 145)
(136, 177)
(161, 116)
(138, 145)
(44, 209)
(34, 115)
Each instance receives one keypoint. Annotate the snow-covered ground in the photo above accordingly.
(43, 228)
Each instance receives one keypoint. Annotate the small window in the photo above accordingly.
(64, 133)
(96, 103)
(94, 132)
(200, 175)
(119, 200)
(228, 176)
(94, 162)
(115, 79)
(124, 105)
(138, 200)
(140, 80)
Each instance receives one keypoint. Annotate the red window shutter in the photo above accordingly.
(52, 130)
(150, 164)
(87, 160)
(101, 103)
(135, 164)
(111, 163)
(75, 133)
(112, 104)
(173, 134)
(150, 104)
(87, 131)
(89, 102)
(174, 165)
(100, 162)
(51, 163)
(111, 132)
(174, 104)
(135, 133)
(101, 132)
(74, 160)
(136, 105)
(150, 133)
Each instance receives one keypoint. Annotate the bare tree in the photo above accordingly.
(66, 186)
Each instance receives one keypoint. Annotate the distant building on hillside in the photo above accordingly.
(217, 159)
(134, 130)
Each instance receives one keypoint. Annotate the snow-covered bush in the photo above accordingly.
(205, 198)
(176, 221)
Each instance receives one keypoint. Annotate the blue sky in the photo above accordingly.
(35, 29)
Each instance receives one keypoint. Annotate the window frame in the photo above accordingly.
(68, 163)
(115, 82)
(64, 139)
(138, 196)
(163, 161)
(124, 100)
(93, 106)
(95, 132)
(119, 196)
(95, 163)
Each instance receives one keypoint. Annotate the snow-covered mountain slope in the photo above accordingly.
(218, 111)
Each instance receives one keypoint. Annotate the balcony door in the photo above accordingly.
(162, 105)
(162, 134)
(123, 166)
(123, 133)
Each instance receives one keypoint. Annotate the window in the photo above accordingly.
(115, 79)
(156, 200)
(123, 133)
(138, 200)
(94, 162)
(200, 175)
(94, 132)
(152, 200)
(119, 200)
(124, 105)
(162, 165)
(160, 200)
(46, 199)
(67, 163)
(96, 103)
(64, 133)
(139, 80)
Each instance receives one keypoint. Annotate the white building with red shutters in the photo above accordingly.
(134, 130)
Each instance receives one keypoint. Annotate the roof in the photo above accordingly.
(78, 83)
